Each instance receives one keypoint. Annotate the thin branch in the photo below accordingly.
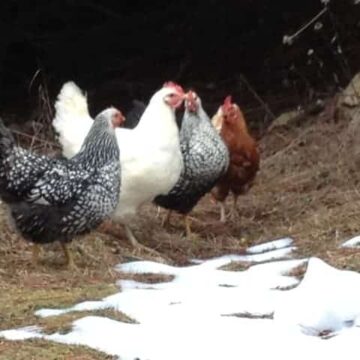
(33, 137)
(288, 39)
(37, 72)
(257, 96)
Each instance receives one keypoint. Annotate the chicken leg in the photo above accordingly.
(166, 219)
(136, 245)
(234, 212)
(131, 237)
(158, 212)
(36, 251)
(187, 223)
(68, 256)
(222, 212)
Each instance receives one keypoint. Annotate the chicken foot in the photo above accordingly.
(84, 253)
(136, 245)
(190, 235)
(233, 213)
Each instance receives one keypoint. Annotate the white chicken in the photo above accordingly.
(150, 156)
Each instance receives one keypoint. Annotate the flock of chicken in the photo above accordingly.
(110, 171)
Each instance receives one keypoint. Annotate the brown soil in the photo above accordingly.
(307, 188)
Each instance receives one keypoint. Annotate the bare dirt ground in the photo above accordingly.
(307, 188)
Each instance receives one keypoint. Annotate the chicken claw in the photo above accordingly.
(137, 246)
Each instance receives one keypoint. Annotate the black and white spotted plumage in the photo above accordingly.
(205, 158)
(57, 199)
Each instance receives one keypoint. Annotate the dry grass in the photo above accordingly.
(307, 189)
(298, 271)
(45, 350)
(247, 315)
(63, 324)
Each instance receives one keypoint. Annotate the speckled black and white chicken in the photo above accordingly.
(56, 199)
(205, 157)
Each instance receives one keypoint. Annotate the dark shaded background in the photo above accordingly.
(120, 50)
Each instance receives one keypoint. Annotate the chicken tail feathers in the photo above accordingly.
(32, 220)
(7, 141)
(71, 100)
(72, 120)
(38, 223)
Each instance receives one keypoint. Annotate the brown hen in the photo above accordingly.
(244, 156)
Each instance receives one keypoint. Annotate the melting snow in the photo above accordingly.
(352, 243)
(206, 312)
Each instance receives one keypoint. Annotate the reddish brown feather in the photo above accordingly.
(244, 156)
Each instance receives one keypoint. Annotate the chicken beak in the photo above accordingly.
(122, 120)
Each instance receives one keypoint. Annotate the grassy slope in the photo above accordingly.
(307, 188)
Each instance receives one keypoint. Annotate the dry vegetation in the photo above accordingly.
(308, 188)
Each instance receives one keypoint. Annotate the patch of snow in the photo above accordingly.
(24, 333)
(272, 250)
(206, 312)
(147, 267)
(271, 245)
(327, 299)
(261, 257)
(352, 243)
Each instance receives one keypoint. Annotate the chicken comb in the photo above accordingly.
(191, 103)
(172, 84)
(191, 95)
(227, 103)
